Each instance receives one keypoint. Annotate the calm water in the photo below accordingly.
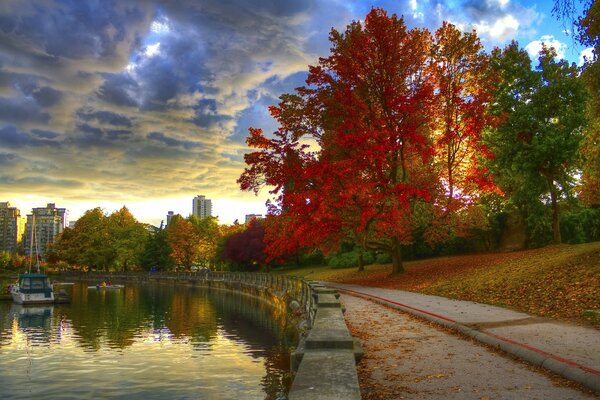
(144, 342)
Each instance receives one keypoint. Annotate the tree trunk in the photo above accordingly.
(361, 263)
(396, 252)
(555, 216)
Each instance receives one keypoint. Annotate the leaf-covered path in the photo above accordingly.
(406, 358)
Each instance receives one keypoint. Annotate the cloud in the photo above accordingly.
(21, 109)
(534, 47)
(11, 137)
(47, 96)
(8, 159)
(105, 117)
(586, 55)
(172, 142)
(119, 89)
(501, 29)
(496, 21)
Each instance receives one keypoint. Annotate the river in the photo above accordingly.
(145, 342)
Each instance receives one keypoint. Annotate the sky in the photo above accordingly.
(147, 103)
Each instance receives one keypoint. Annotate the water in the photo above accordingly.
(144, 342)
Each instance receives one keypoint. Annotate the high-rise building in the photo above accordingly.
(250, 217)
(11, 227)
(49, 222)
(170, 216)
(201, 207)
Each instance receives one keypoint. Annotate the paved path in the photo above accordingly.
(408, 358)
(570, 351)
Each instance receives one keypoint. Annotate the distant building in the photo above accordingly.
(202, 207)
(12, 227)
(72, 224)
(49, 222)
(250, 217)
(170, 216)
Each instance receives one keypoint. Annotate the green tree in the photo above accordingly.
(587, 26)
(157, 251)
(536, 145)
(5, 259)
(128, 238)
(89, 243)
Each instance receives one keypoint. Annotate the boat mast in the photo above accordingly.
(31, 241)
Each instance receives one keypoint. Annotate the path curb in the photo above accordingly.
(587, 377)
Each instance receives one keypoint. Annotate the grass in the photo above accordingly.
(561, 282)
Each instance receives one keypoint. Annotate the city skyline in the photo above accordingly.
(27, 211)
(147, 103)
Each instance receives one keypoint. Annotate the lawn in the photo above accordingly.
(561, 282)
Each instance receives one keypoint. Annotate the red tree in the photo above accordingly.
(246, 249)
(369, 107)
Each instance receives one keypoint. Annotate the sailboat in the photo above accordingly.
(32, 288)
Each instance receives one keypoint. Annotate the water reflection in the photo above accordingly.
(147, 341)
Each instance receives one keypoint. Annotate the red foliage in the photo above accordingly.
(371, 108)
(246, 248)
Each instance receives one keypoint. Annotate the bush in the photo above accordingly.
(383, 258)
(349, 259)
(580, 226)
(311, 259)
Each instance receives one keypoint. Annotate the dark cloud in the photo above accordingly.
(480, 10)
(40, 182)
(160, 83)
(44, 134)
(89, 136)
(119, 89)
(235, 14)
(118, 134)
(207, 115)
(105, 117)
(47, 96)
(172, 142)
(7, 24)
(11, 137)
(21, 110)
(76, 29)
(8, 159)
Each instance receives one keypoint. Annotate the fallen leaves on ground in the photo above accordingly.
(561, 282)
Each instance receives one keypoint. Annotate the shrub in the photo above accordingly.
(349, 259)
(580, 225)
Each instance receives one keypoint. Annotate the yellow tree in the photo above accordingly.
(464, 87)
(209, 234)
(184, 241)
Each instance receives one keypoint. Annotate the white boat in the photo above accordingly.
(32, 288)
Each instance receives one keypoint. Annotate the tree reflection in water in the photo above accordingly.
(115, 320)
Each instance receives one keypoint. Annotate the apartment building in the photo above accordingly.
(49, 221)
(12, 227)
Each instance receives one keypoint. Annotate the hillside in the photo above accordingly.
(561, 282)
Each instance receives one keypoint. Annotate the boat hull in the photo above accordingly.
(106, 287)
(33, 298)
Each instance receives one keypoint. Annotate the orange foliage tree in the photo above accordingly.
(464, 88)
(184, 240)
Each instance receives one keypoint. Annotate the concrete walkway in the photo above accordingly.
(570, 351)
